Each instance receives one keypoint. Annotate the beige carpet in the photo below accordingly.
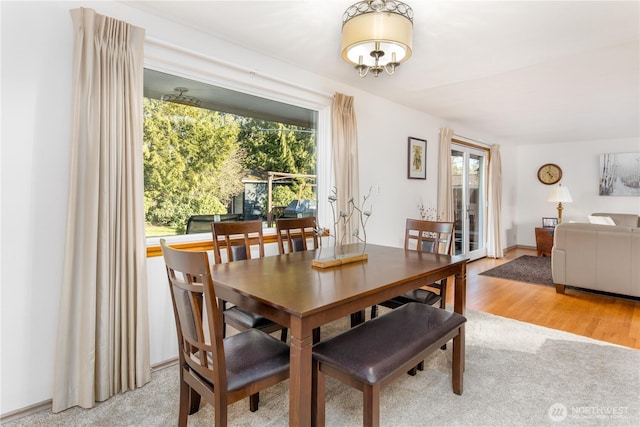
(517, 374)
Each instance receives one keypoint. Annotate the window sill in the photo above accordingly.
(196, 242)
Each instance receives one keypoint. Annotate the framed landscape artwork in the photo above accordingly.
(620, 174)
(417, 167)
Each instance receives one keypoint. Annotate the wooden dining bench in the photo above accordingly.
(373, 354)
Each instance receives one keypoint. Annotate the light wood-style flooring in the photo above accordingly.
(604, 318)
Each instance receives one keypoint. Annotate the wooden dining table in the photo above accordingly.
(289, 290)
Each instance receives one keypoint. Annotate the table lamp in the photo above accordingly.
(560, 194)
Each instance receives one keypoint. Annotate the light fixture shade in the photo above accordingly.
(560, 194)
(360, 34)
(377, 35)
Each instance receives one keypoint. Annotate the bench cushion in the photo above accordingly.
(390, 341)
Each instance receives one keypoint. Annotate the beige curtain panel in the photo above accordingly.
(345, 159)
(445, 186)
(494, 232)
(103, 330)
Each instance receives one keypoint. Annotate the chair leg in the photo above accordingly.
(221, 410)
(443, 301)
(357, 318)
(316, 335)
(443, 293)
(283, 335)
(317, 396)
(194, 401)
(254, 401)
(458, 361)
(374, 311)
(223, 303)
(183, 413)
(371, 405)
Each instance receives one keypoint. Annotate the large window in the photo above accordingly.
(213, 154)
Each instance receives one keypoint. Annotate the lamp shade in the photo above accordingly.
(377, 36)
(360, 34)
(560, 194)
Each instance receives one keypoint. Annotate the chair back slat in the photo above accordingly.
(198, 317)
(428, 236)
(296, 232)
(236, 238)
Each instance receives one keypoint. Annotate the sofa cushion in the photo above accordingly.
(602, 220)
(629, 220)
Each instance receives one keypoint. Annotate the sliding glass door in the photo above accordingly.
(469, 171)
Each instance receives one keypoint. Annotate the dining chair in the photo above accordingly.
(424, 236)
(222, 370)
(235, 239)
(296, 233)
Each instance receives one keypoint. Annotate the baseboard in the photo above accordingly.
(46, 404)
(512, 248)
(533, 248)
(23, 412)
(165, 364)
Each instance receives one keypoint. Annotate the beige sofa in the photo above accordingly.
(600, 257)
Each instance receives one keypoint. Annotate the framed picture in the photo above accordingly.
(620, 174)
(549, 222)
(417, 166)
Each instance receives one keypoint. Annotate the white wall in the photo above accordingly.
(579, 162)
(36, 104)
(510, 173)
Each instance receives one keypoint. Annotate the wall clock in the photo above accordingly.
(549, 173)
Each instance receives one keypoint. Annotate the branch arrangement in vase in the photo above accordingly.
(359, 210)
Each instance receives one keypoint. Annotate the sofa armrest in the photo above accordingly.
(558, 264)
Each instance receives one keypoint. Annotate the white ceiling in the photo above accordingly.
(515, 71)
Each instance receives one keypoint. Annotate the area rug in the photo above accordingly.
(517, 374)
(527, 268)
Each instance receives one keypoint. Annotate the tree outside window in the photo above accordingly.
(198, 161)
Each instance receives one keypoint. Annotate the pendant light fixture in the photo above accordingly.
(377, 35)
(180, 98)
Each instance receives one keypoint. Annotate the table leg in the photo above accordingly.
(300, 371)
(460, 294)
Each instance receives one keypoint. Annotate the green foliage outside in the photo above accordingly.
(192, 162)
(195, 159)
(278, 147)
(282, 195)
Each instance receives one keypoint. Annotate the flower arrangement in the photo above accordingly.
(428, 214)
